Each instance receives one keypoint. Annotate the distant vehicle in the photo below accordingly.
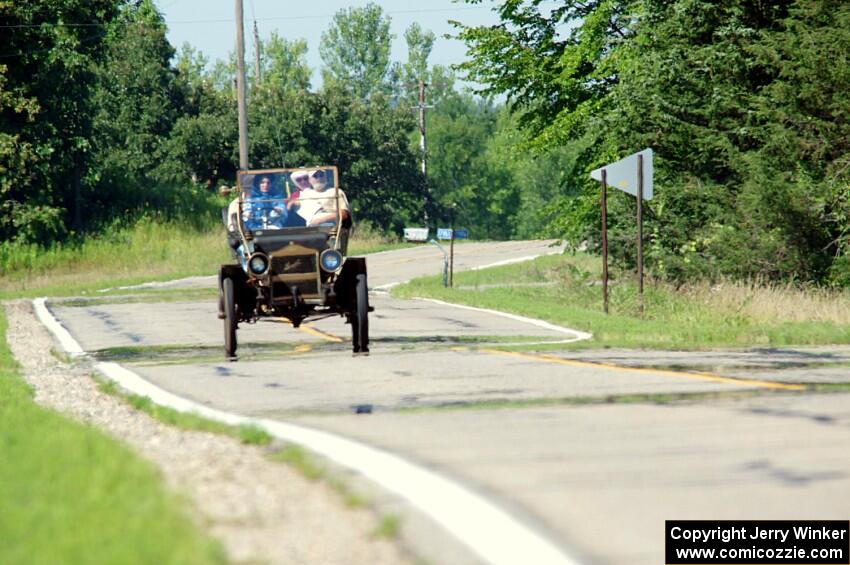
(289, 240)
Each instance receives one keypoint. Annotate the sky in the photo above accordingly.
(210, 27)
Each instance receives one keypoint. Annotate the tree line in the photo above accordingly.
(102, 121)
(744, 102)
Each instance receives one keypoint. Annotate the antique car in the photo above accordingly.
(288, 230)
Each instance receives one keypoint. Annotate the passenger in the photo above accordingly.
(319, 205)
(301, 182)
(233, 212)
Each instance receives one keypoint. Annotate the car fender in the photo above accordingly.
(344, 287)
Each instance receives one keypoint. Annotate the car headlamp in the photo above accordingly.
(258, 264)
(331, 260)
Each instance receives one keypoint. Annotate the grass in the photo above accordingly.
(71, 494)
(310, 468)
(150, 250)
(699, 316)
(251, 435)
(388, 527)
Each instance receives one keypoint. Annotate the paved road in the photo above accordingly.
(600, 478)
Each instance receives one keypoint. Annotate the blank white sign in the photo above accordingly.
(623, 174)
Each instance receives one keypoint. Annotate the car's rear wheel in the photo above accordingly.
(360, 323)
(230, 317)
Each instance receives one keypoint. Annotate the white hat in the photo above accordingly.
(299, 173)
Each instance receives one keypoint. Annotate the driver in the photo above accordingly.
(265, 207)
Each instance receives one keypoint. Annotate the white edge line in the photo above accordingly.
(158, 284)
(490, 532)
(515, 260)
(66, 340)
(387, 286)
(579, 335)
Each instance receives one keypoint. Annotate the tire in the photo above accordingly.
(360, 323)
(230, 317)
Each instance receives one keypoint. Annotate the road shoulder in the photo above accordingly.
(260, 510)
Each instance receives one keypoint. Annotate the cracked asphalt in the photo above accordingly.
(595, 448)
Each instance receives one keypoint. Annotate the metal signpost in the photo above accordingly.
(450, 235)
(445, 262)
(452, 259)
(604, 241)
(633, 175)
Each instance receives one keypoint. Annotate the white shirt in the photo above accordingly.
(313, 202)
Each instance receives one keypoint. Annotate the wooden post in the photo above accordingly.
(604, 241)
(240, 88)
(640, 231)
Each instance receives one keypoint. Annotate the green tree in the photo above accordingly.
(46, 110)
(202, 145)
(285, 62)
(741, 100)
(469, 182)
(137, 103)
(369, 142)
(356, 51)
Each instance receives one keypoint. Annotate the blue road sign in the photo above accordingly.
(461, 233)
(444, 233)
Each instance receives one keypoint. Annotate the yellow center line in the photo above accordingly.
(308, 329)
(663, 372)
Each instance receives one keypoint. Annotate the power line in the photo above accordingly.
(218, 21)
(54, 47)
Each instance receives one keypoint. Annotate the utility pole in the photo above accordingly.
(256, 53)
(422, 127)
(422, 146)
(240, 88)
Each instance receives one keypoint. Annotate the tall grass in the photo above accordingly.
(698, 316)
(366, 238)
(774, 302)
(70, 494)
(150, 249)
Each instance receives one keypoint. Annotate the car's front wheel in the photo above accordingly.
(230, 317)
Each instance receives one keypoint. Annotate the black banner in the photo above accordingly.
(757, 542)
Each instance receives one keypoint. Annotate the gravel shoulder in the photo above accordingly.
(262, 511)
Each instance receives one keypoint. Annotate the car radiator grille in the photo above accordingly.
(290, 272)
(295, 264)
